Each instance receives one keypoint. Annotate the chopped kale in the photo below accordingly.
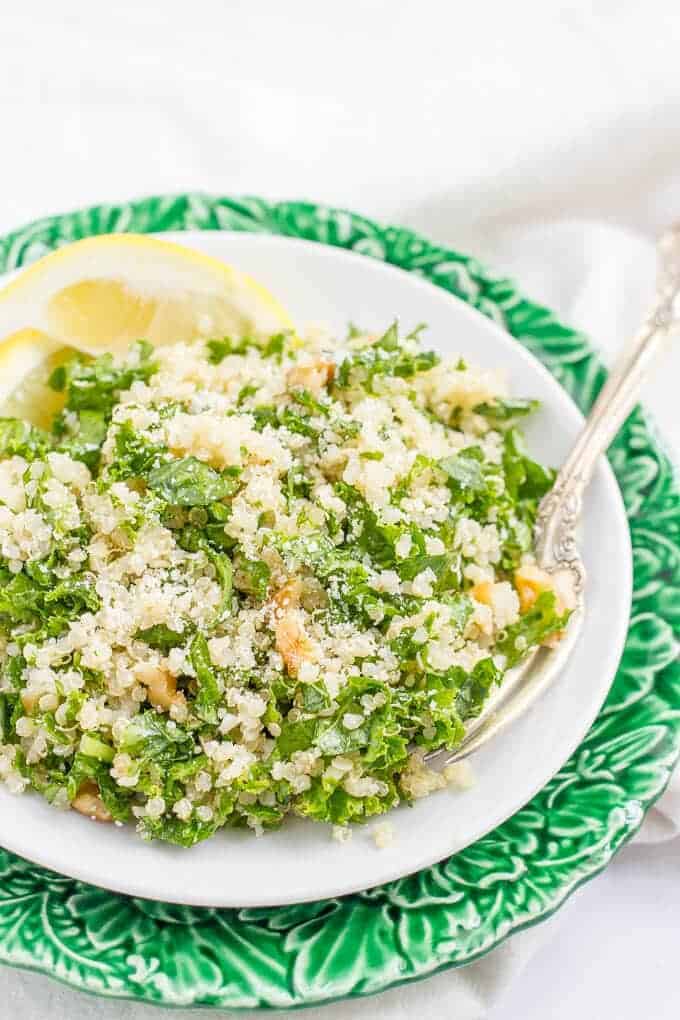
(96, 385)
(190, 482)
(503, 411)
(140, 604)
(161, 636)
(208, 688)
(533, 627)
(18, 438)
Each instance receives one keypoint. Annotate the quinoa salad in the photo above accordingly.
(241, 579)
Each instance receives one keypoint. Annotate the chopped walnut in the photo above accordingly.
(314, 377)
(162, 686)
(88, 802)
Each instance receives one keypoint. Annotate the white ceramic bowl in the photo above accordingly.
(301, 861)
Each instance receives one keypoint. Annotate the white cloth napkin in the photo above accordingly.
(544, 138)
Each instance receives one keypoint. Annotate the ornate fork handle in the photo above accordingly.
(559, 512)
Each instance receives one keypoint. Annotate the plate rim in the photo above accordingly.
(491, 295)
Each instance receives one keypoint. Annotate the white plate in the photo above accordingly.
(300, 861)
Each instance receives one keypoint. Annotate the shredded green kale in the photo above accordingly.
(203, 645)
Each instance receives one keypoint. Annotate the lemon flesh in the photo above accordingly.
(26, 360)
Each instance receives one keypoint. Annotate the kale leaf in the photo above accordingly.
(525, 479)
(96, 384)
(18, 438)
(135, 455)
(503, 411)
(24, 600)
(161, 637)
(190, 482)
(532, 628)
(85, 442)
(252, 576)
(153, 737)
(388, 356)
(208, 696)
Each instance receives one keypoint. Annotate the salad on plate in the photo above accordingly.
(249, 576)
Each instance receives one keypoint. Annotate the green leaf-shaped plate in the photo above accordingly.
(451, 913)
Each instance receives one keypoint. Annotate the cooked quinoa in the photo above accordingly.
(241, 579)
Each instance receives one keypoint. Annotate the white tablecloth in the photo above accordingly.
(543, 137)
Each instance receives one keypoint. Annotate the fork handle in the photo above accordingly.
(561, 508)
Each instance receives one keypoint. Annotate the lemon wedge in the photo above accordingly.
(26, 360)
(101, 294)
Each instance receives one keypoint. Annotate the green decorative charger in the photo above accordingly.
(456, 911)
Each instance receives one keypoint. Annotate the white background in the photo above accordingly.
(544, 137)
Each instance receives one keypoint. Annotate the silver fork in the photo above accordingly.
(560, 510)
